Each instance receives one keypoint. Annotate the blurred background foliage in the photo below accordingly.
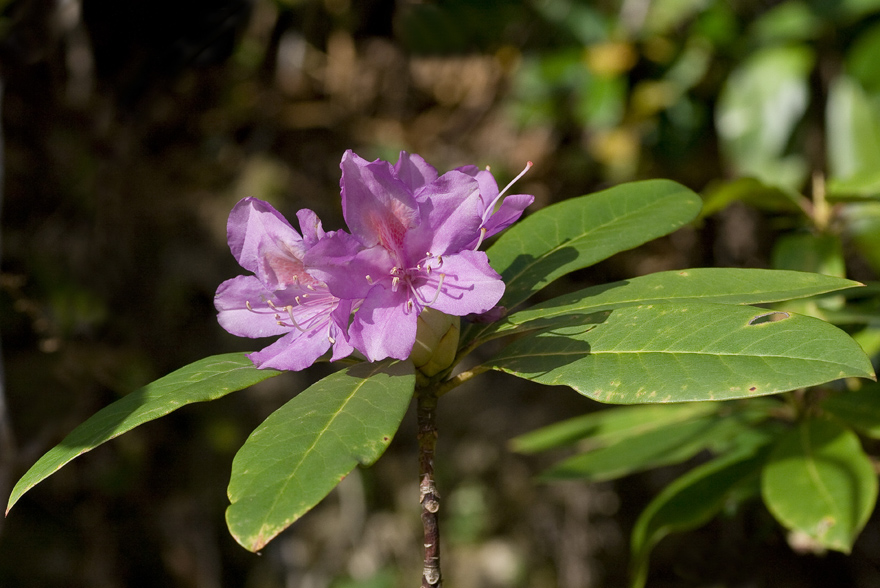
(131, 129)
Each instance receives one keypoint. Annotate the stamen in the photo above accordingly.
(491, 208)
(439, 288)
(369, 279)
(482, 236)
(292, 320)
(331, 339)
(521, 174)
(409, 305)
(395, 282)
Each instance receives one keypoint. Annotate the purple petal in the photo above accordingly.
(233, 314)
(470, 285)
(377, 207)
(310, 225)
(414, 171)
(488, 185)
(295, 351)
(508, 213)
(382, 328)
(451, 216)
(251, 223)
(346, 267)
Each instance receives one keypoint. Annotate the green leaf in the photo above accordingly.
(861, 59)
(610, 425)
(808, 252)
(858, 408)
(666, 445)
(863, 228)
(758, 109)
(819, 481)
(579, 232)
(305, 448)
(718, 285)
(207, 379)
(691, 501)
(788, 21)
(853, 123)
(720, 195)
(684, 352)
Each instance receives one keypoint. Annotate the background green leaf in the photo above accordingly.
(758, 109)
(691, 501)
(858, 408)
(665, 445)
(853, 126)
(306, 447)
(579, 232)
(819, 481)
(608, 426)
(684, 352)
(207, 379)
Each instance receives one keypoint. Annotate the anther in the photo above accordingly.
(395, 282)
(369, 279)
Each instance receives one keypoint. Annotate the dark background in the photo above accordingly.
(130, 131)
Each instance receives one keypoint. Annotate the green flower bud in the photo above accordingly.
(436, 343)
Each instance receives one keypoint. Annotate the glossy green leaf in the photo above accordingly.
(691, 501)
(758, 109)
(304, 449)
(818, 481)
(718, 285)
(579, 232)
(859, 409)
(610, 425)
(207, 379)
(853, 128)
(684, 352)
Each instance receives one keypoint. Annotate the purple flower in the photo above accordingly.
(281, 298)
(412, 246)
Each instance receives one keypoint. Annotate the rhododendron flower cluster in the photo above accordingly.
(412, 244)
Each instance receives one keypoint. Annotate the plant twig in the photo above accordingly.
(426, 411)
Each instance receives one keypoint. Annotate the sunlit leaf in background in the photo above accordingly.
(758, 109)
(819, 481)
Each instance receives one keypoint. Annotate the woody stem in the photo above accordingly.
(426, 414)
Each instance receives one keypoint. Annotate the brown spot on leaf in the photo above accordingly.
(769, 317)
(752, 389)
